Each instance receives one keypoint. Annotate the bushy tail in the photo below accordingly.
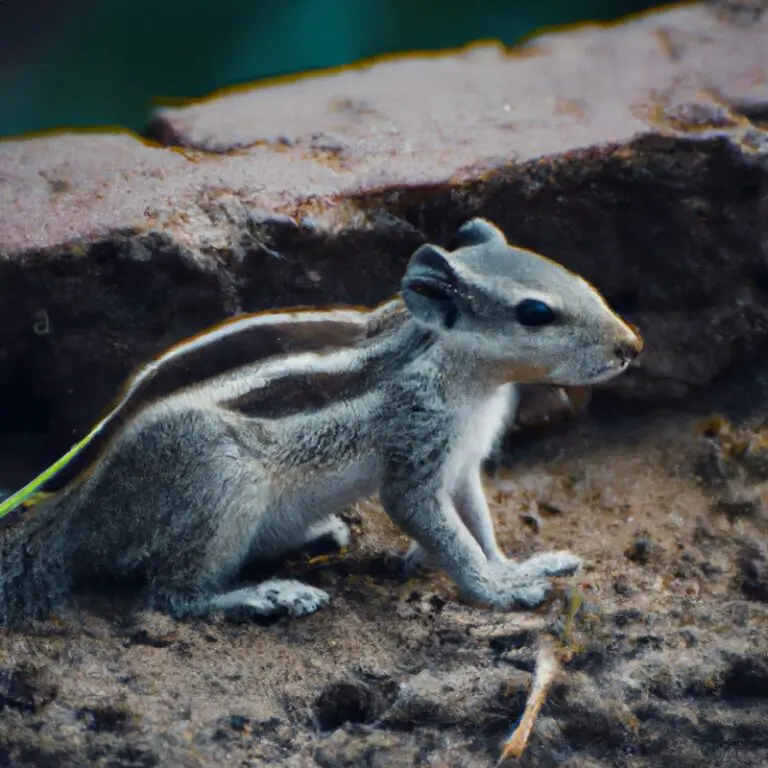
(34, 579)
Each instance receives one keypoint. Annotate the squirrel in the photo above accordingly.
(241, 445)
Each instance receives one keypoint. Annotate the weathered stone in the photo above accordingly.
(636, 154)
(27, 689)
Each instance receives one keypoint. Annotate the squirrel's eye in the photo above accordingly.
(534, 313)
(431, 290)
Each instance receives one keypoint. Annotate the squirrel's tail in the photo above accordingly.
(34, 579)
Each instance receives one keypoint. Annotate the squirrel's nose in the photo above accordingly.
(626, 351)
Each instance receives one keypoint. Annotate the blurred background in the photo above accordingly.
(106, 62)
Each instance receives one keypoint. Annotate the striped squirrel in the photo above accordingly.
(239, 446)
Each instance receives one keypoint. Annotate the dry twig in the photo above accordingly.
(547, 667)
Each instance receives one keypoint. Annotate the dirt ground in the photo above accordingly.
(668, 655)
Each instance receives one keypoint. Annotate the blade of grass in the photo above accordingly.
(29, 491)
(25, 494)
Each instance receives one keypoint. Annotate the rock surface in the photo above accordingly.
(636, 154)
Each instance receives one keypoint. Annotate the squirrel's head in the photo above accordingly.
(529, 318)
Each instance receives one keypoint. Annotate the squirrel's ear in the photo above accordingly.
(477, 232)
(429, 287)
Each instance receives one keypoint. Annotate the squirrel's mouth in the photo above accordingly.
(605, 372)
(610, 370)
(597, 375)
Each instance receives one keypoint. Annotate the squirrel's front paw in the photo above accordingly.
(560, 563)
(526, 584)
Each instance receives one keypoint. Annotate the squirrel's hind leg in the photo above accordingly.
(273, 598)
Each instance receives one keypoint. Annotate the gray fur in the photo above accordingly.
(215, 476)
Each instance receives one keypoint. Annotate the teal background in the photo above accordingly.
(86, 63)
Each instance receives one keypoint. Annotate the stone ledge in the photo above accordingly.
(636, 154)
